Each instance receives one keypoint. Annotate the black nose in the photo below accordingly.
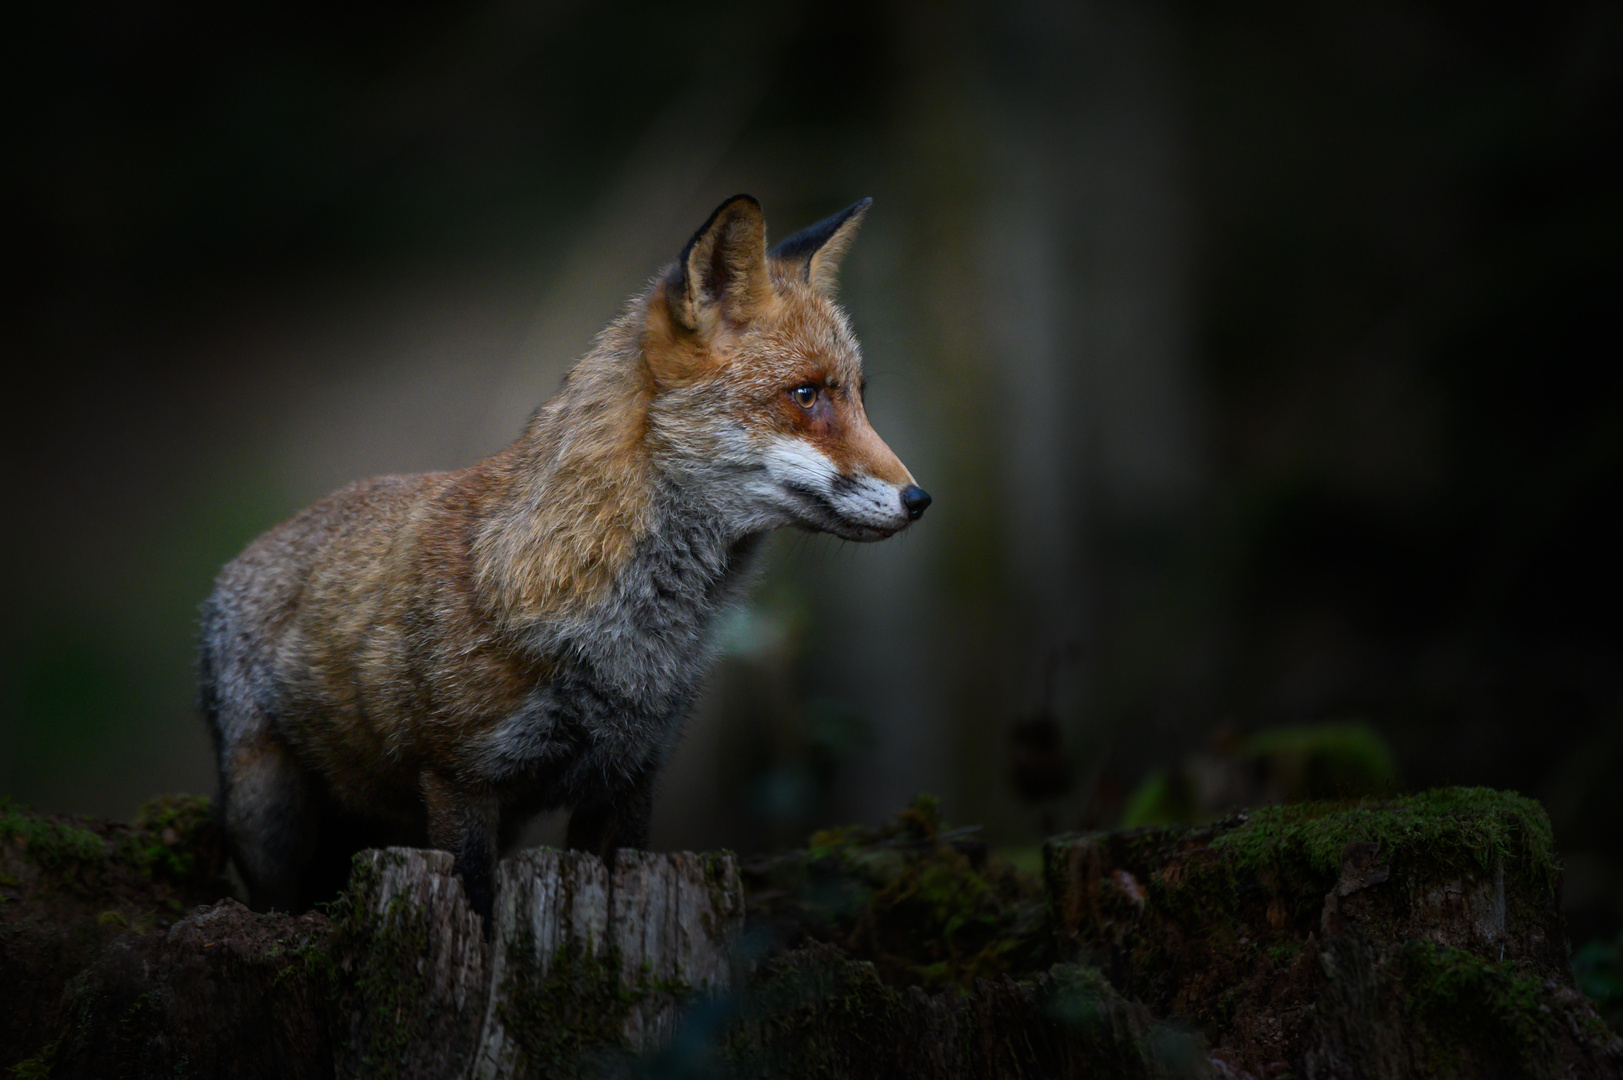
(915, 500)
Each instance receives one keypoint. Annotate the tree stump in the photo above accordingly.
(1416, 936)
(414, 968)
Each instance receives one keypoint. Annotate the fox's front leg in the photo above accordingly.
(464, 823)
(616, 819)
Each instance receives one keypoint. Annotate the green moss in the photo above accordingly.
(382, 954)
(173, 843)
(169, 835)
(1468, 1009)
(905, 897)
(38, 1067)
(50, 845)
(1439, 833)
(563, 1019)
(1281, 954)
(1181, 915)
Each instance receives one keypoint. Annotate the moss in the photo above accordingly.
(38, 1067)
(173, 837)
(1436, 834)
(382, 954)
(1282, 954)
(1181, 917)
(918, 900)
(1468, 1009)
(562, 1020)
(310, 962)
(48, 844)
(173, 847)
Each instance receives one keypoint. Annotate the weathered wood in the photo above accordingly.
(592, 959)
(551, 908)
(671, 922)
(415, 968)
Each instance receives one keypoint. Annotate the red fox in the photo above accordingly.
(437, 658)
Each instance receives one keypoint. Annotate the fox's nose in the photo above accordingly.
(915, 500)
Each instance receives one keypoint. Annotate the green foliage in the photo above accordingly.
(1324, 761)
(1160, 799)
(1286, 764)
(1598, 970)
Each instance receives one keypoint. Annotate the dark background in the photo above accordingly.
(1263, 363)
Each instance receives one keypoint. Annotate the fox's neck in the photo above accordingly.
(570, 503)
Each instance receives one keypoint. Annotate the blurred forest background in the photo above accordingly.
(1263, 361)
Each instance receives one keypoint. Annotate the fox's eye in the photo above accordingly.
(805, 396)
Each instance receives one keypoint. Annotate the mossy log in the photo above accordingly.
(587, 965)
(1420, 936)
(1417, 936)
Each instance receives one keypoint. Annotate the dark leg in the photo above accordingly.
(619, 820)
(270, 811)
(465, 825)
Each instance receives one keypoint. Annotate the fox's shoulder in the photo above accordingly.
(361, 518)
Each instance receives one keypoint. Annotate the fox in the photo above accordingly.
(434, 659)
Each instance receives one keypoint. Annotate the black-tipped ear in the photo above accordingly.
(722, 270)
(819, 248)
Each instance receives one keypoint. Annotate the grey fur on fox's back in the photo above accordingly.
(435, 658)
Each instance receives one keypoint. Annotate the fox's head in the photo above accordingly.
(758, 383)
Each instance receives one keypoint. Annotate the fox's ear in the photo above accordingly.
(722, 271)
(817, 250)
